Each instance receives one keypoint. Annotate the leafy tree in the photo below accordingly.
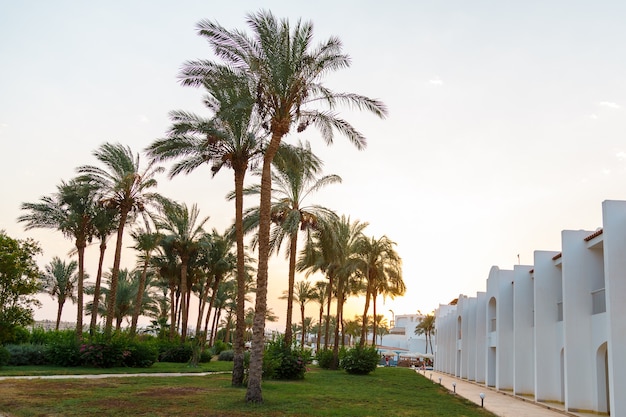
(426, 326)
(124, 187)
(285, 71)
(19, 277)
(59, 281)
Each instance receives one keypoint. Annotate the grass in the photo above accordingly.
(213, 366)
(389, 392)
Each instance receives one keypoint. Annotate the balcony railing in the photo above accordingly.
(559, 311)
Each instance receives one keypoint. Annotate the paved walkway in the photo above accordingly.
(500, 403)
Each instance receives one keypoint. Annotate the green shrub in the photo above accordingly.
(39, 336)
(27, 354)
(226, 355)
(176, 353)
(283, 362)
(219, 346)
(142, 354)
(63, 348)
(324, 358)
(4, 356)
(360, 360)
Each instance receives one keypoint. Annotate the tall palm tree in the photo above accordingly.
(286, 71)
(105, 222)
(426, 326)
(59, 281)
(146, 242)
(295, 176)
(319, 295)
(69, 210)
(303, 294)
(124, 187)
(183, 229)
(166, 264)
(381, 268)
(232, 138)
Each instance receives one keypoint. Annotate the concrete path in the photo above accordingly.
(500, 403)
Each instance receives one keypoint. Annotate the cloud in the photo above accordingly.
(621, 155)
(593, 116)
(606, 171)
(435, 81)
(609, 104)
(3, 125)
(143, 119)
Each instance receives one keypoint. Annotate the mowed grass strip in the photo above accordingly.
(386, 392)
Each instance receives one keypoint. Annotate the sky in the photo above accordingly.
(506, 122)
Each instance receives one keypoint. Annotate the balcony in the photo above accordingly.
(598, 301)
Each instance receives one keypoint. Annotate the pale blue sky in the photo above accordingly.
(506, 119)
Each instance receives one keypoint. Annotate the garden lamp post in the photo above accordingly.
(454, 387)
(482, 399)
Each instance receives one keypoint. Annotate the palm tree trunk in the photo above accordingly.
(214, 289)
(139, 299)
(302, 316)
(183, 298)
(375, 326)
(202, 306)
(335, 363)
(96, 291)
(329, 296)
(115, 273)
(240, 326)
(319, 326)
(254, 393)
(172, 310)
(364, 320)
(59, 311)
(80, 245)
(291, 282)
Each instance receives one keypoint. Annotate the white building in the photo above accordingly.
(402, 334)
(554, 331)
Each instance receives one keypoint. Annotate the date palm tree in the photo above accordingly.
(231, 138)
(426, 326)
(319, 295)
(286, 72)
(70, 210)
(295, 176)
(146, 242)
(303, 294)
(124, 187)
(381, 268)
(59, 281)
(105, 222)
(183, 229)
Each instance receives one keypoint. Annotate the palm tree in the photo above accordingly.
(381, 268)
(286, 72)
(59, 280)
(124, 187)
(303, 293)
(183, 230)
(232, 138)
(294, 178)
(69, 210)
(426, 326)
(146, 242)
(126, 296)
(381, 326)
(105, 222)
(319, 295)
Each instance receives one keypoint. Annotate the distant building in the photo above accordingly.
(402, 334)
(554, 331)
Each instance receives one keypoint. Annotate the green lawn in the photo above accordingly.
(386, 392)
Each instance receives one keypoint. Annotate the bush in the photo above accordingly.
(360, 360)
(226, 355)
(4, 356)
(174, 352)
(39, 336)
(63, 348)
(219, 346)
(27, 354)
(324, 358)
(283, 362)
(142, 355)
